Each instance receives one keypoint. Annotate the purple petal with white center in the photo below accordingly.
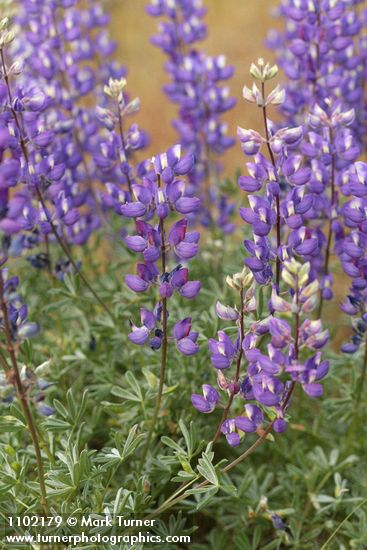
(254, 413)
(147, 318)
(210, 393)
(226, 313)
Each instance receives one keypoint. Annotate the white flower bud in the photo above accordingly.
(255, 71)
(6, 38)
(276, 97)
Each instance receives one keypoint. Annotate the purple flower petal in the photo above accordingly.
(187, 347)
(135, 283)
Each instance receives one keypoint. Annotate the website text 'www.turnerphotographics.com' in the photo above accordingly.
(80, 530)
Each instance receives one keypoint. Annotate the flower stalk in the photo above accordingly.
(238, 365)
(13, 375)
(334, 199)
(277, 199)
(23, 145)
(163, 347)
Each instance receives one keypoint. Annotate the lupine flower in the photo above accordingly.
(61, 134)
(160, 194)
(20, 327)
(184, 338)
(322, 54)
(195, 85)
(264, 377)
(282, 180)
(14, 325)
(323, 57)
(206, 403)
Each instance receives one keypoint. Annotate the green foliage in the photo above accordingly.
(314, 476)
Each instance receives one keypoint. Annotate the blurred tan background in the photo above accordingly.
(237, 28)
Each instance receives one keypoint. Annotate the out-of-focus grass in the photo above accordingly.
(236, 28)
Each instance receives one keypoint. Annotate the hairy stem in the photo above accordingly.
(14, 376)
(362, 378)
(334, 200)
(163, 349)
(123, 144)
(277, 199)
(238, 368)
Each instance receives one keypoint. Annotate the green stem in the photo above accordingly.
(238, 368)
(325, 545)
(330, 227)
(362, 378)
(14, 376)
(123, 145)
(163, 348)
(277, 205)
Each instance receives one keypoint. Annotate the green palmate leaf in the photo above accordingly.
(171, 443)
(187, 437)
(60, 408)
(132, 442)
(210, 493)
(125, 394)
(134, 384)
(151, 379)
(206, 468)
(11, 424)
(184, 476)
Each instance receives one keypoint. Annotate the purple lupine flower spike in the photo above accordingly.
(195, 85)
(161, 193)
(266, 380)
